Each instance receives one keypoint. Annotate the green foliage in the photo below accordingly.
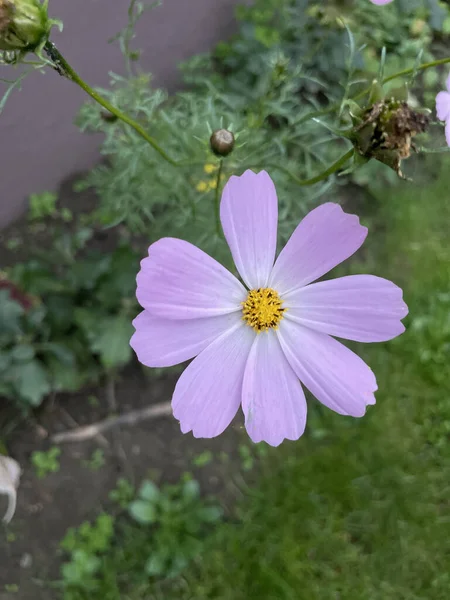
(74, 322)
(46, 462)
(289, 58)
(85, 546)
(167, 531)
(420, 255)
(247, 458)
(203, 459)
(123, 493)
(178, 516)
(42, 205)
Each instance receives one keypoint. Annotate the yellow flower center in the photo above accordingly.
(263, 309)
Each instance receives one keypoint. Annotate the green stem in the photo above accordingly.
(434, 63)
(63, 67)
(320, 177)
(333, 107)
(217, 199)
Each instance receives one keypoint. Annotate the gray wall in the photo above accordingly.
(39, 145)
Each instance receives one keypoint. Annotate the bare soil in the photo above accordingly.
(48, 507)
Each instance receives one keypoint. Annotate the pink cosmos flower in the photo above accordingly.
(443, 109)
(255, 342)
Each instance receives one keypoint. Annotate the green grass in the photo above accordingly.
(357, 509)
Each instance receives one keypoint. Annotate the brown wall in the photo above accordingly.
(39, 145)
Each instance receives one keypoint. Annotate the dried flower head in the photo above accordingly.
(386, 131)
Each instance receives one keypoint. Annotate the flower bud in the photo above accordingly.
(222, 142)
(24, 25)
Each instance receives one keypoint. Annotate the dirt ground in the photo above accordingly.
(48, 507)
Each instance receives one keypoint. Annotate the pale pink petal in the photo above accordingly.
(363, 308)
(162, 342)
(208, 393)
(381, 2)
(323, 239)
(273, 401)
(180, 281)
(249, 215)
(443, 106)
(335, 375)
(447, 132)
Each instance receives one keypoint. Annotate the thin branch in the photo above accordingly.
(131, 418)
(72, 422)
(336, 166)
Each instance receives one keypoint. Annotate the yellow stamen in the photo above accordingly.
(263, 309)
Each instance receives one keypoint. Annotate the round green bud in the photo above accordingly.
(222, 142)
(24, 25)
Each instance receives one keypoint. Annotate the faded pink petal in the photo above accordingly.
(249, 215)
(273, 401)
(443, 106)
(381, 2)
(179, 281)
(323, 239)
(162, 342)
(363, 308)
(208, 393)
(335, 375)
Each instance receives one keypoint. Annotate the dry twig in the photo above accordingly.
(131, 418)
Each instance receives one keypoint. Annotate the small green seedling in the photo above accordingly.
(203, 459)
(123, 493)
(96, 461)
(46, 462)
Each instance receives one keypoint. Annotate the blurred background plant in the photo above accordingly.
(289, 60)
(73, 323)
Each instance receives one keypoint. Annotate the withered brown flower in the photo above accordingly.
(386, 132)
